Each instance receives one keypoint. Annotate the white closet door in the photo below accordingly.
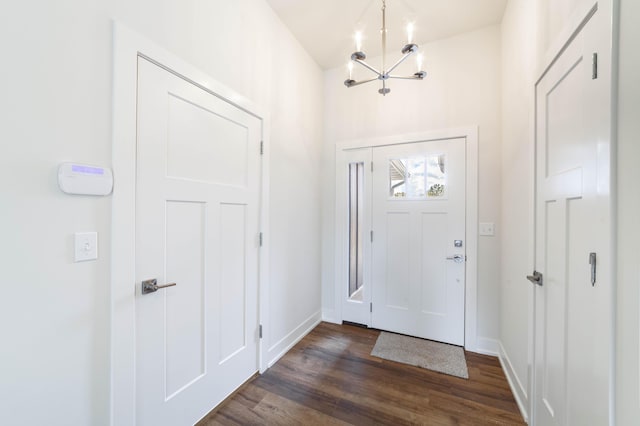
(197, 193)
(573, 226)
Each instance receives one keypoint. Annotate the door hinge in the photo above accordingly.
(371, 235)
(592, 262)
(261, 147)
(260, 239)
(370, 306)
(260, 331)
(594, 67)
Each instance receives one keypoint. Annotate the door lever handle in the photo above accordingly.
(458, 258)
(536, 278)
(151, 286)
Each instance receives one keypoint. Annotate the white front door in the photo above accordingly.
(572, 304)
(418, 249)
(197, 192)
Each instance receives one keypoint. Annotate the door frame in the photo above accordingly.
(470, 134)
(127, 47)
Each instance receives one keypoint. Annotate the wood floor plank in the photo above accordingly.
(330, 378)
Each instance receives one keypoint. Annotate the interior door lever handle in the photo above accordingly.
(536, 278)
(458, 258)
(151, 286)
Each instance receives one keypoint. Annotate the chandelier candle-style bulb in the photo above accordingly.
(410, 33)
(349, 81)
(384, 74)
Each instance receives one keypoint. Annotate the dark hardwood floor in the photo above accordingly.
(330, 378)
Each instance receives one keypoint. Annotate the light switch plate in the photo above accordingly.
(487, 229)
(86, 246)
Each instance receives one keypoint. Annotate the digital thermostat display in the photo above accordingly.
(87, 169)
(85, 179)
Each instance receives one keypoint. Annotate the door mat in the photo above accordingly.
(440, 357)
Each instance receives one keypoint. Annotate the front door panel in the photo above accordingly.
(418, 273)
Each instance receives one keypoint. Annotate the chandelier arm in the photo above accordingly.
(366, 65)
(408, 77)
(357, 83)
(401, 60)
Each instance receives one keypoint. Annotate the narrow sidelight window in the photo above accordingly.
(356, 210)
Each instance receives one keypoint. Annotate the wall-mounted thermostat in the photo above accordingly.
(84, 179)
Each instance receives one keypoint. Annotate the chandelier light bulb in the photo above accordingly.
(358, 41)
(419, 59)
(410, 30)
(350, 68)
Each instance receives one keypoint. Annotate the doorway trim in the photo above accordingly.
(470, 134)
(127, 47)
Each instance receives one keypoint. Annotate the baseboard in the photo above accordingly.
(486, 346)
(287, 342)
(519, 392)
(329, 315)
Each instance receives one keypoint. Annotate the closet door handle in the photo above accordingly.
(151, 286)
(536, 278)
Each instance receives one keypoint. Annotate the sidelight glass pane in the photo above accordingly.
(356, 211)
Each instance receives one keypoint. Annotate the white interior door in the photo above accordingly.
(197, 192)
(572, 313)
(418, 270)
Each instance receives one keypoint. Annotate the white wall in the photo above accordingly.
(628, 317)
(56, 106)
(462, 89)
(519, 56)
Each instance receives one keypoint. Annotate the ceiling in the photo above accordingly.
(326, 28)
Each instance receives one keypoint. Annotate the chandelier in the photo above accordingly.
(385, 74)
